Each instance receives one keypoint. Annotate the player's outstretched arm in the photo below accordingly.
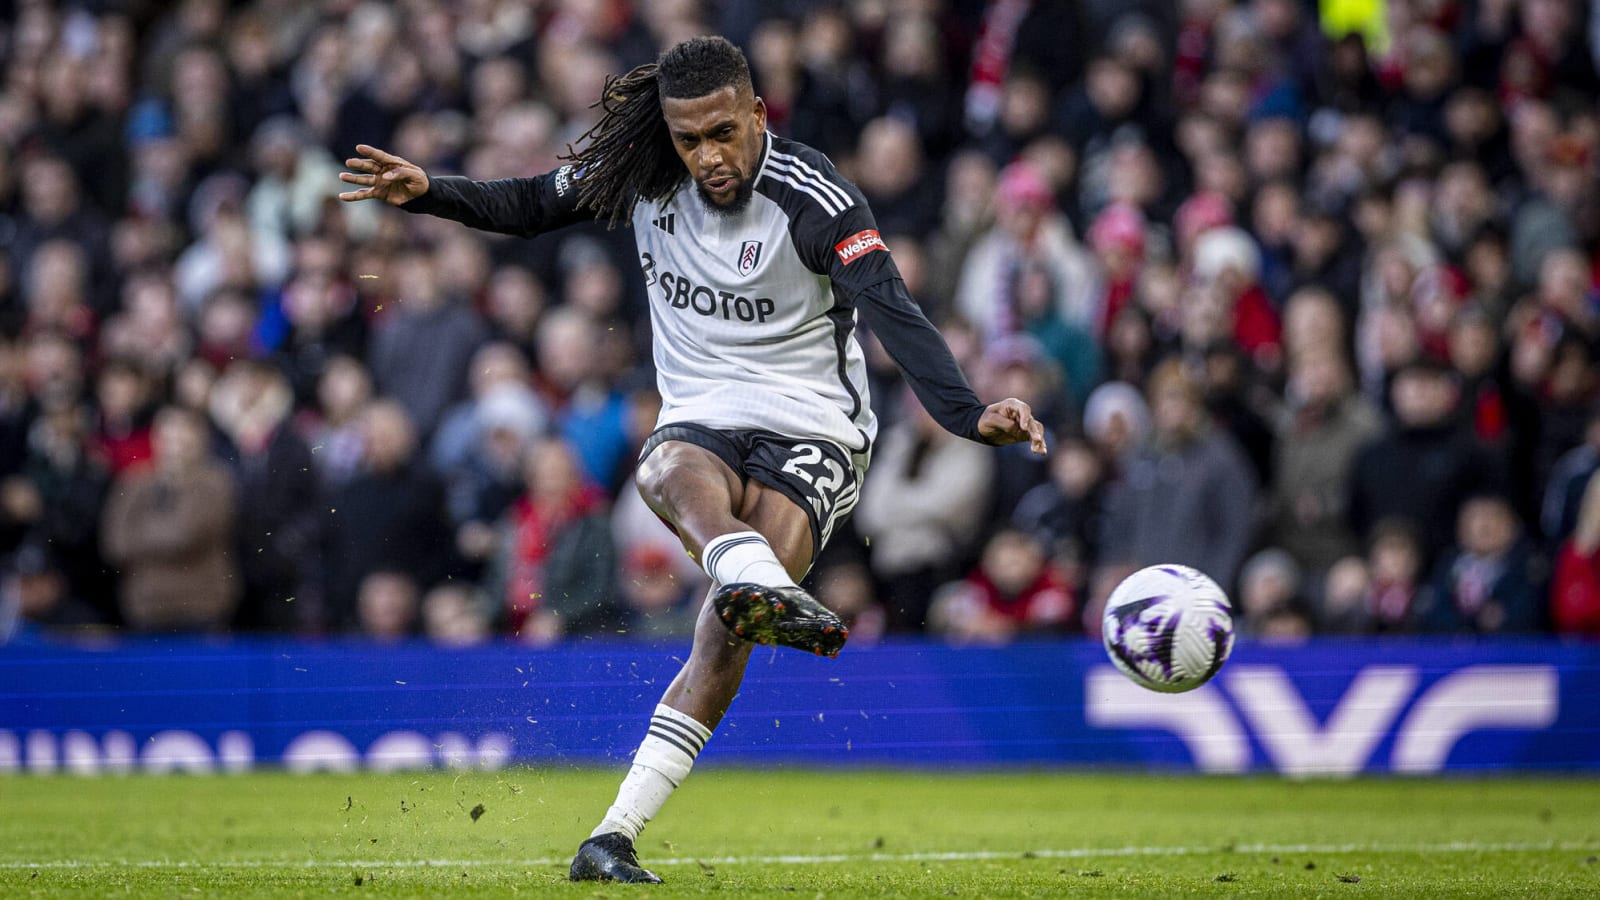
(1011, 421)
(382, 176)
(519, 206)
(847, 247)
(925, 360)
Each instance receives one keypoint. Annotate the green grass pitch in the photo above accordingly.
(802, 833)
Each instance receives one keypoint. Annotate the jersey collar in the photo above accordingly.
(766, 153)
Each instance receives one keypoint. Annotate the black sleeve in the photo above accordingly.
(846, 247)
(521, 206)
(835, 234)
(921, 353)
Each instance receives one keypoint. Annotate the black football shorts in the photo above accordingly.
(821, 477)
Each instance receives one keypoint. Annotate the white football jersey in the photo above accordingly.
(749, 330)
(754, 313)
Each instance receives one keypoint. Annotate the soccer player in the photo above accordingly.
(757, 257)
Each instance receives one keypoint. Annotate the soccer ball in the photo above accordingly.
(1169, 628)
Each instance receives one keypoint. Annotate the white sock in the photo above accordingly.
(743, 556)
(660, 765)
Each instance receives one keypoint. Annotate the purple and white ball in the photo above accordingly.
(1169, 628)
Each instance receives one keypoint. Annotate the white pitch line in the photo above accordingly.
(953, 856)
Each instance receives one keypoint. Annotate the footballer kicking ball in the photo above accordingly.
(1169, 628)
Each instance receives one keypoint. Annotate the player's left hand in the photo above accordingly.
(1011, 422)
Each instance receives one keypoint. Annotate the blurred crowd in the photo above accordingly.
(1305, 294)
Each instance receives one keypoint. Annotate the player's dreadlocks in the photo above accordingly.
(628, 156)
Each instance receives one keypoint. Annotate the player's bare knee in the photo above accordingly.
(653, 477)
(671, 470)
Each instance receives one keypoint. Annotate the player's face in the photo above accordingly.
(719, 137)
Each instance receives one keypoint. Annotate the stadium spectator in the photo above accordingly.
(846, 586)
(389, 516)
(889, 171)
(1014, 591)
(555, 568)
(654, 601)
(1233, 399)
(1018, 366)
(386, 605)
(51, 209)
(122, 433)
(1320, 428)
(484, 485)
(277, 536)
(1227, 264)
(921, 510)
(1269, 598)
(479, 445)
(1323, 254)
(421, 350)
(313, 317)
(332, 427)
(967, 213)
(1340, 604)
(1065, 513)
(1117, 421)
(54, 501)
(1395, 577)
(1569, 481)
(290, 196)
(1487, 584)
(1029, 235)
(1575, 586)
(169, 530)
(590, 412)
(1130, 344)
(453, 615)
(1551, 417)
(1475, 355)
(1117, 238)
(36, 599)
(56, 292)
(1423, 467)
(228, 254)
(1187, 495)
(916, 85)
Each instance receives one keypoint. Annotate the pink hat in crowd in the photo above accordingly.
(1020, 349)
(1120, 226)
(1200, 213)
(1021, 184)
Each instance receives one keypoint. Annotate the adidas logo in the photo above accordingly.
(666, 222)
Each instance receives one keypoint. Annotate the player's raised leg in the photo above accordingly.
(758, 599)
(691, 487)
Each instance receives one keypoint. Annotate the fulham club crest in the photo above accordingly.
(749, 255)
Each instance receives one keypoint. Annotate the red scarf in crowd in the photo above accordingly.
(1046, 601)
(537, 526)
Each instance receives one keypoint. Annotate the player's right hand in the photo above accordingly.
(383, 176)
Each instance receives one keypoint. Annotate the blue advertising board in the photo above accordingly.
(1324, 708)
